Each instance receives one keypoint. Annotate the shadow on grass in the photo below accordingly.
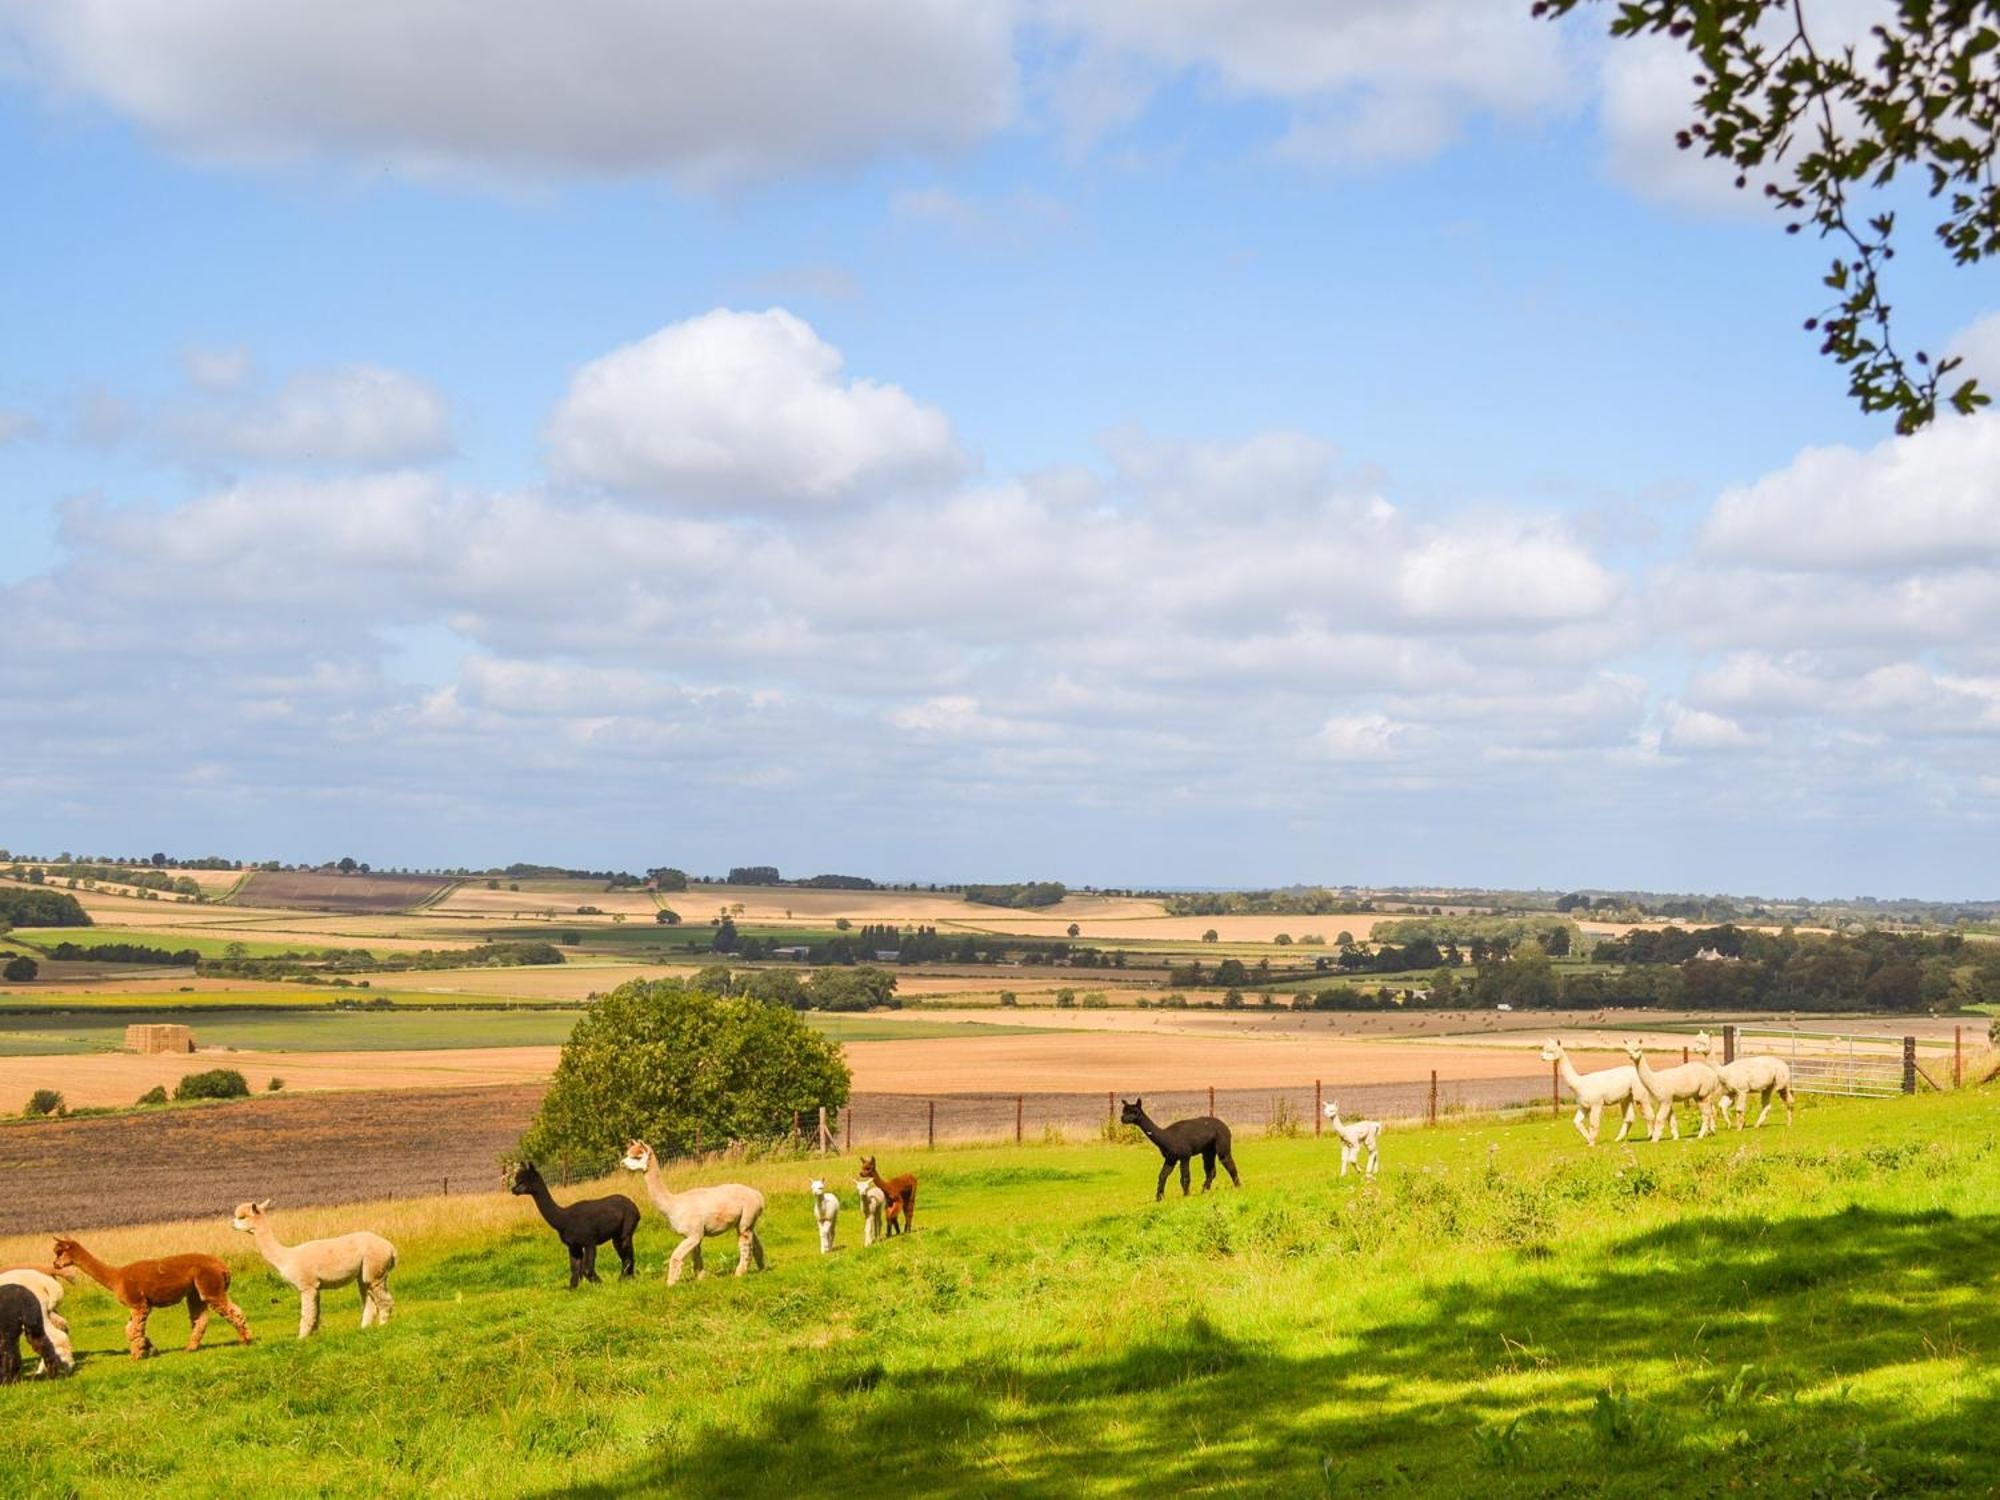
(1698, 1356)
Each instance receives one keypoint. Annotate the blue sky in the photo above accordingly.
(1138, 444)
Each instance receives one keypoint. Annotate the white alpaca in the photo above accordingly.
(874, 1203)
(362, 1257)
(1593, 1091)
(826, 1211)
(700, 1212)
(1691, 1080)
(1760, 1074)
(1354, 1138)
(48, 1289)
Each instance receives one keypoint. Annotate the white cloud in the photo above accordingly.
(1932, 498)
(360, 415)
(1361, 737)
(708, 94)
(747, 410)
(1697, 729)
(217, 369)
(1506, 575)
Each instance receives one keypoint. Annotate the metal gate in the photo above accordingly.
(1853, 1063)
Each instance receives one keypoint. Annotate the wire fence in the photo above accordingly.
(933, 1119)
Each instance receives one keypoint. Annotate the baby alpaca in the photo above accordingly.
(48, 1289)
(363, 1258)
(1354, 1138)
(826, 1211)
(21, 1317)
(874, 1203)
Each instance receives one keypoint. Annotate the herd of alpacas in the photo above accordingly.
(31, 1296)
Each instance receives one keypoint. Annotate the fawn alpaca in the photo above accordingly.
(363, 1258)
(874, 1203)
(700, 1212)
(900, 1193)
(201, 1281)
(1690, 1080)
(583, 1225)
(1203, 1136)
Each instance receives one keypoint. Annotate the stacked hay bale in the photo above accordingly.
(151, 1038)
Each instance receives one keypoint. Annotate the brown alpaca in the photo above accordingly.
(201, 1281)
(901, 1193)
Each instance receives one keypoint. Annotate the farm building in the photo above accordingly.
(796, 952)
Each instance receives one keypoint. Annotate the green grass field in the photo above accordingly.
(1503, 1313)
(46, 938)
(389, 1031)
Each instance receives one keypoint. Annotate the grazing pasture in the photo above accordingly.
(1501, 1312)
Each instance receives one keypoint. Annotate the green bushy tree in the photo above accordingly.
(216, 1083)
(673, 1066)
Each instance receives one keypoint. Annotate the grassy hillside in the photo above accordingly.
(1504, 1313)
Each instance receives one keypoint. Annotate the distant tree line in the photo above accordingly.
(124, 953)
(1303, 901)
(1024, 894)
(40, 908)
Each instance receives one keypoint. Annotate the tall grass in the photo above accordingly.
(1502, 1312)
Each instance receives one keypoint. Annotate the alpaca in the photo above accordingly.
(363, 1258)
(826, 1213)
(1693, 1080)
(48, 1289)
(1355, 1138)
(1759, 1074)
(583, 1225)
(1618, 1085)
(700, 1212)
(21, 1316)
(1204, 1136)
(901, 1195)
(201, 1281)
(873, 1204)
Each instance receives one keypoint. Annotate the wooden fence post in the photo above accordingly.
(1684, 1057)
(1211, 1098)
(1729, 1044)
(847, 1127)
(1958, 1057)
(1556, 1089)
(1319, 1106)
(1434, 1097)
(825, 1136)
(930, 1128)
(1110, 1110)
(1020, 1102)
(1909, 1065)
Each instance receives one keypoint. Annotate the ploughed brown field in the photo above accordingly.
(317, 892)
(190, 1163)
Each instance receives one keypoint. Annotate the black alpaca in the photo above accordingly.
(584, 1225)
(21, 1313)
(1204, 1136)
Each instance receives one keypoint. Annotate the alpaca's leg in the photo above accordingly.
(10, 1361)
(197, 1318)
(1577, 1120)
(1208, 1169)
(1187, 1177)
(628, 1262)
(757, 1250)
(689, 1246)
(309, 1311)
(367, 1301)
(231, 1314)
(1229, 1166)
(135, 1332)
(1762, 1114)
(54, 1361)
(1374, 1154)
(743, 1238)
(1166, 1171)
(1786, 1094)
(381, 1301)
(575, 1266)
(1346, 1157)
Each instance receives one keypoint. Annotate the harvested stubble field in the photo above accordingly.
(1502, 1313)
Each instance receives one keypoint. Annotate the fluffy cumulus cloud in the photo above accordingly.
(361, 415)
(708, 94)
(1256, 628)
(748, 410)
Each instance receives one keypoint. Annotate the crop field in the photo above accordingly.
(1502, 1313)
(173, 938)
(320, 892)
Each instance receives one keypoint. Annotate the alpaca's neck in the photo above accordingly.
(1148, 1128)
(1570, 1075)
(269, 1245)
(1646, 1073)
(655, 1184)
(94, 1268)
(551, 1210)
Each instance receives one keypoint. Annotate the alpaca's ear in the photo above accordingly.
(264, 1207)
